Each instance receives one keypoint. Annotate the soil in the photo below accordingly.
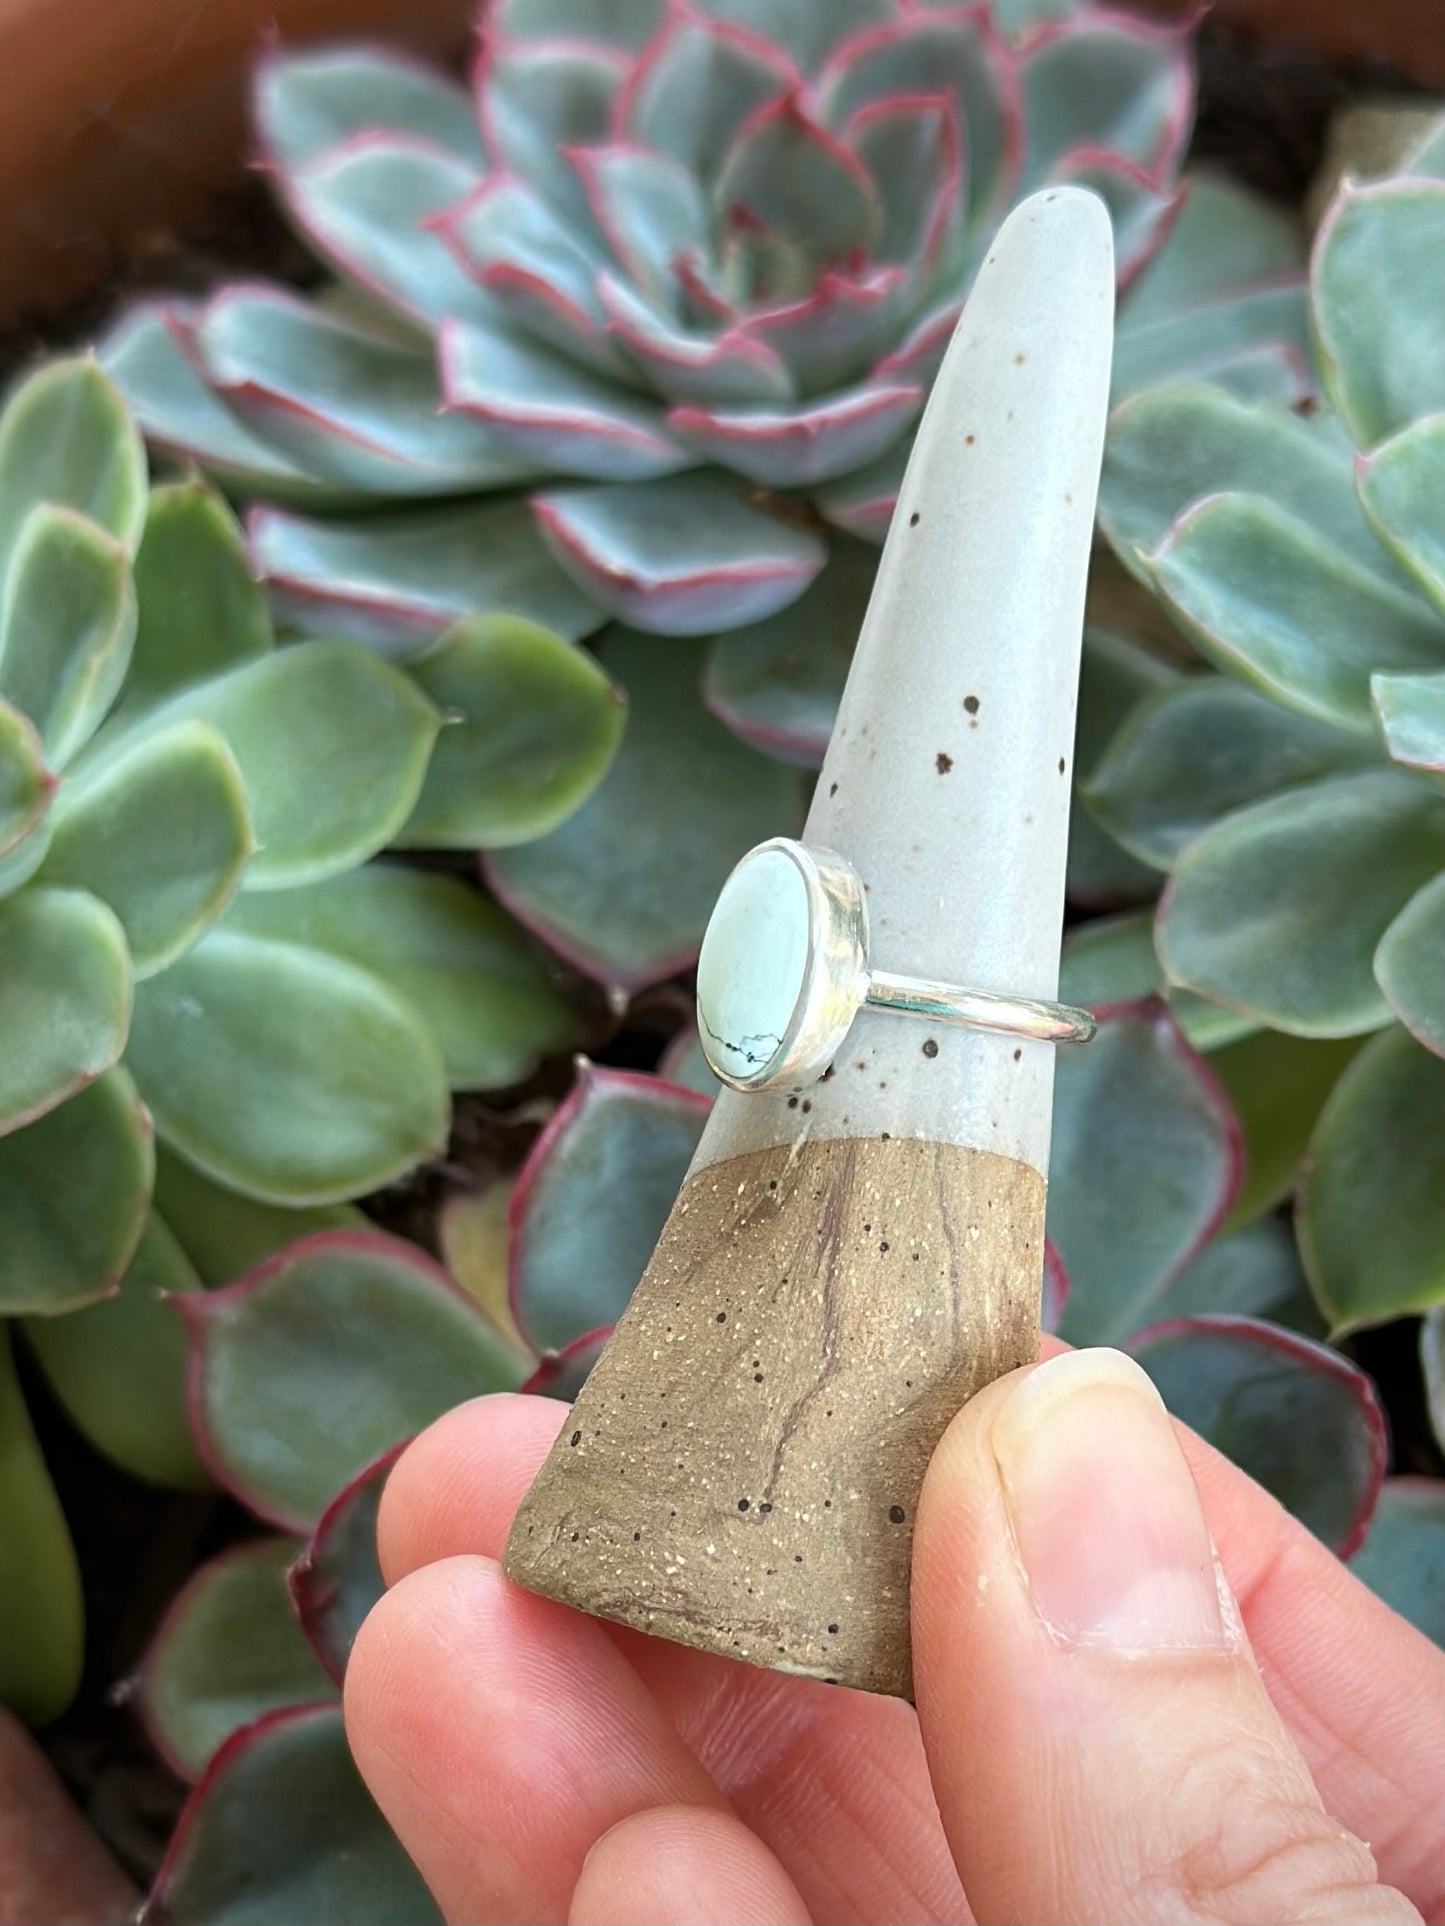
(1263, 112)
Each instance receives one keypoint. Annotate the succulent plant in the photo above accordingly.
(201, 986)
(1292, 796)
(656, 308)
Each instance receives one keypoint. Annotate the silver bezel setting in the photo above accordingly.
(835, 976)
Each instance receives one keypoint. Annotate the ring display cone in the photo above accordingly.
(847, 1262)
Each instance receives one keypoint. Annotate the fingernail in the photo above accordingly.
(1104, 1509)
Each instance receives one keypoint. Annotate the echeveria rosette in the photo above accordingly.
(664, 240)
(213, 1003)
(1295, 800)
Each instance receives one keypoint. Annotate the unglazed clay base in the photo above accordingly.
(741, 1469)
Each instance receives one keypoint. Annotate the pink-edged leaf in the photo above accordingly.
(1056, 1289)
(228, 1651)
(531, 263)
(777, 683)
(1146, 1163)
(553, 414)
(368, 207)
(797, 447)
(919, 355)
(562, 1374)
(1226, 241)
(1299, 1418)
(336, 1578)
(648, 209)
(399, 582)
(625, 887)
(311, 1366)
(785, 172)
(592, 1198)
(348, 405)
(807, 33)
(1112, 81)
(1143, 212)
(539, 98)
(305, 101)
(953, 50)
(1403, 1557)
(1254, 344)
(282, 1828)
(696, 83)
(179, 413)
(862, 503)
(711, 368)
(912, 147)
(687, 556)
(835, 333)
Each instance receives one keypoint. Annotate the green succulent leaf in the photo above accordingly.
(1200, 750)
(480, 985)
(1224, 238)
(1277, 1085)
(1169, 449)
(337, 1578)
(224, 1234)
(777, 682)
(162, 834)
(26, 785)
(281, 1827)
(228, 1651)
(1379, 283)
(1372, 1201)
(119, 1367)
(1144, 1166)
(532, 727)
(1411, 714)
(1115, 677)
(311, 1367)
(97, 1147)
(1410, 965)
(65, 999)
(1277, 910)
(332, 746)
(42, 1631)
(592, 1199)
(286, 1073)
(1251, 1272)
(1402, 487)
(1112, 960)
(626, 886)
(1296, 1417)
(399, 582)
(66, 439)
(144, 357)
(308, 102)
(1267, 597)
(201, 613)
(67, 624)
(20, 865)
(1403, 1557)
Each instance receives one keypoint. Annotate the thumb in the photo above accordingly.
(1101, 1744)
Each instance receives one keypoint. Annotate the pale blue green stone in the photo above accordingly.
(754, 960)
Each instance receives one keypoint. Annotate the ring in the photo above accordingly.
(784, 970)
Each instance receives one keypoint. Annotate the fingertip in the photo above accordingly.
(684, 1866)
(456, 1488)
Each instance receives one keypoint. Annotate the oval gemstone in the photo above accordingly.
(753, 966)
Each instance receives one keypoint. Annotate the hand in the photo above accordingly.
(1107, 1727)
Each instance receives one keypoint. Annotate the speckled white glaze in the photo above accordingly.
(947, 780)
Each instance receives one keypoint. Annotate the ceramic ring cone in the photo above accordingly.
(847, 1263)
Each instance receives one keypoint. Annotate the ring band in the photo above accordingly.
(784, 970)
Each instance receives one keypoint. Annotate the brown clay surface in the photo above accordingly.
(742, 1467)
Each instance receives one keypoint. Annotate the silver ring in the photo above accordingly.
(784, 970)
